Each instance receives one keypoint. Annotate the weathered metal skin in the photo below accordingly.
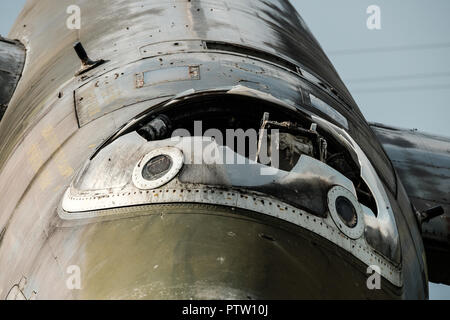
(281, 195)
(57, 120)
(213, 254)
(12, 60)
(306, 186)
(423, 163)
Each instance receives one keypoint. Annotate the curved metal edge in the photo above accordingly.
(385, 220)
(255, 202)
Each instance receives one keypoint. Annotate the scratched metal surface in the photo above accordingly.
(423, 164)
(43, 143)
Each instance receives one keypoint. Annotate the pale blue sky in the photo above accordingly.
(399, 75)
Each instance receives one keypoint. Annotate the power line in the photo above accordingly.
(401, 89)
(399, 77)
(430, 46)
